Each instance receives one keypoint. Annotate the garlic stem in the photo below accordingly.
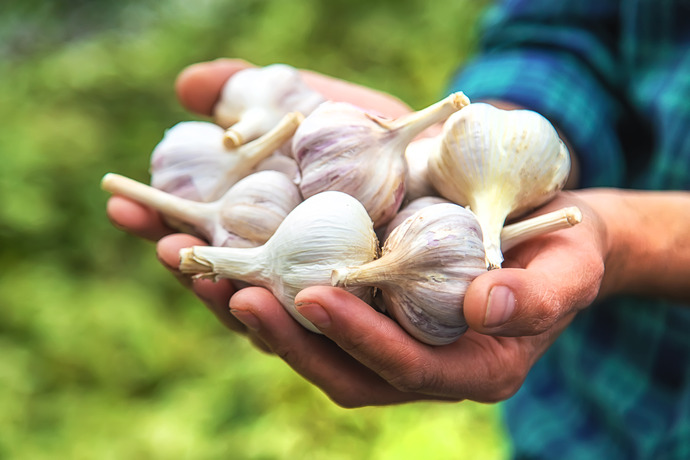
(264, 146)
(491, 219)
(250, 126)
(166, 203)
(516, 233)
(416, 122)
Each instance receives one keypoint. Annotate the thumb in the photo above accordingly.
(515, 302)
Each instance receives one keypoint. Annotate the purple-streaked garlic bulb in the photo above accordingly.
(327, 231)
(500, 163)
(254, 100)
(342, 147)
(425, 267)
(245, 216)
(428, 262)
(192, 162)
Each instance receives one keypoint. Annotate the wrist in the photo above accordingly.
(645, 247)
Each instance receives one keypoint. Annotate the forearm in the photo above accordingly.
(648, 242)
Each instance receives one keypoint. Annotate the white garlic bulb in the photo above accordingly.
(192, 162)
(429, 261)
(326, 231)
(254, 100)
(417, 183)
(342, 147)
(245, 216)
(501, 164)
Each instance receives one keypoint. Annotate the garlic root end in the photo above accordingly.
(339, 277)
(191, 264)
(459, 100)
(232, 139)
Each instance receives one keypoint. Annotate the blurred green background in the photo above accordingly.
(103, 354)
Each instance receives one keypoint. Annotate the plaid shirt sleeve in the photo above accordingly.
(537, 55)
(614, 77)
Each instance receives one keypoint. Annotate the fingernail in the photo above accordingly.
(247, 318)
(314, 313)
(500, 306)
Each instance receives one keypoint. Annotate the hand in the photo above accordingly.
(198, 88)
(365, 358)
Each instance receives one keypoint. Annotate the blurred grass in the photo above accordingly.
(103, 354)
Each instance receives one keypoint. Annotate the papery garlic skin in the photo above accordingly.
(408, 209)
(417, 183)
(501, 164)
(426, 265)
(326, 231)
(342, 147)
(254, 100)
(245, 216)
(282, 163)
(192, 162)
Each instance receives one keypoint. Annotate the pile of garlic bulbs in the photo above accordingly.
(292, 190)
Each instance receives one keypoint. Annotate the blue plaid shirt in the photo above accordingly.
(614, 77)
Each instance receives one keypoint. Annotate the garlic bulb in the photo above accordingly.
(501, 164)
(342, 147)
(417, 183)
(245, 216)
(326, 231)
(254, 100)
(428, 262)
(191, 161)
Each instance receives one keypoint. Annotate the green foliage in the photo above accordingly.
(104, 355)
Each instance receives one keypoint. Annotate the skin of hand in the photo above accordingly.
(364, 358)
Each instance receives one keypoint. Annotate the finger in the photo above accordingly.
(198, 86)
(376, 341)
(338, 90)
(214, 294)
(313, 356)
(134, 218)
(476, 367)
(557, 282)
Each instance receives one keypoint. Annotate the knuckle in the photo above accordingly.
(411, 375)
(506, 379)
